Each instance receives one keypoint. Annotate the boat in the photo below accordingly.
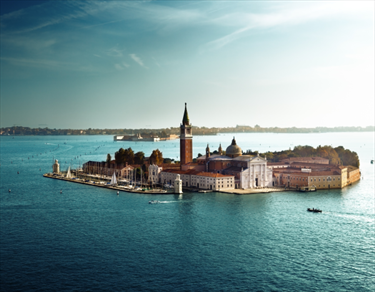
(372, 161)
(68, 174)
(113, 179)
(314, 210)
(307, 189)
(153, 202)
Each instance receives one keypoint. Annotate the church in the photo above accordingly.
(225, 170)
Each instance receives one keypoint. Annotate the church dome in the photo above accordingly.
(233, 150)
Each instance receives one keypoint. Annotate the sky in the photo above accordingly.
(134, 64)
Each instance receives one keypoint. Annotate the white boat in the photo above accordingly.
(113, 180)
(68, 174)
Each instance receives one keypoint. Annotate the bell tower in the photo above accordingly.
(186, 140)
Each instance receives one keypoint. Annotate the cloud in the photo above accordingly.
(121, 66)
(283, 15)
(118, 67)
(48, 64)
(156, 62)
(115, 52)
(51, 13)
(138, 60)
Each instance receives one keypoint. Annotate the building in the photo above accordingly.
(214, 172)
(186, 139)
(107, 169)
(198, 180)
(314, 175)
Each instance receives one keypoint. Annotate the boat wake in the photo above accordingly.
(369, 218)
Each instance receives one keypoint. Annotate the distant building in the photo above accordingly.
(314, 175)
(103, 168)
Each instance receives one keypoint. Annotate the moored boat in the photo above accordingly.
(307, 189)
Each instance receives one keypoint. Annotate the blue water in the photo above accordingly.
(90, 239)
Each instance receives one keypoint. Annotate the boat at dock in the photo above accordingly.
(307, 189)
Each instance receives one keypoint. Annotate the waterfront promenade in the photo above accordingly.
(159, 190)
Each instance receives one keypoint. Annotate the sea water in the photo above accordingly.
(89, 239)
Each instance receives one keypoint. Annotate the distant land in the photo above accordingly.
(166, 132)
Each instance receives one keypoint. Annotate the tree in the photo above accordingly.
(156, 157)
(124, 155)
(139, 157)
(108, 159)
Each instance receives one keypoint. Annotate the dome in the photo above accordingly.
(233, 150)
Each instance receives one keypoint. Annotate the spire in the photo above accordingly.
(208, 148)
(185, 120)
(234, 141)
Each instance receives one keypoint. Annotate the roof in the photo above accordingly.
(214, 157)
(178, 171)
(233, 149)
(304, 158)
(185, 119)
(243, 157)
(210, 174)
(235, 169)
(300, 173)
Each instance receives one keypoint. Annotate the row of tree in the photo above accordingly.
(337, 156)
(123, 156)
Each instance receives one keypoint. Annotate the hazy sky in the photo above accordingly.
(133, 64)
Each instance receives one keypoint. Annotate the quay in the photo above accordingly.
(112, 187)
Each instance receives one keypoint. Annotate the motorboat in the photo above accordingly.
(153, 202)
(314, 210)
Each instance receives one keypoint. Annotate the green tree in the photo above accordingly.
(108, 159)
(139, 157)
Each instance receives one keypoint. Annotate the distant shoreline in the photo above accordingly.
(166, 133)
(195, 134)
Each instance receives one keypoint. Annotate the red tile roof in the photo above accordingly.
(210, 174)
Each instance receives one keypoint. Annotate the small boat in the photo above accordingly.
(372, 161)
(314, 210)
(153, 202)
(307, 189)
(118, 193)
